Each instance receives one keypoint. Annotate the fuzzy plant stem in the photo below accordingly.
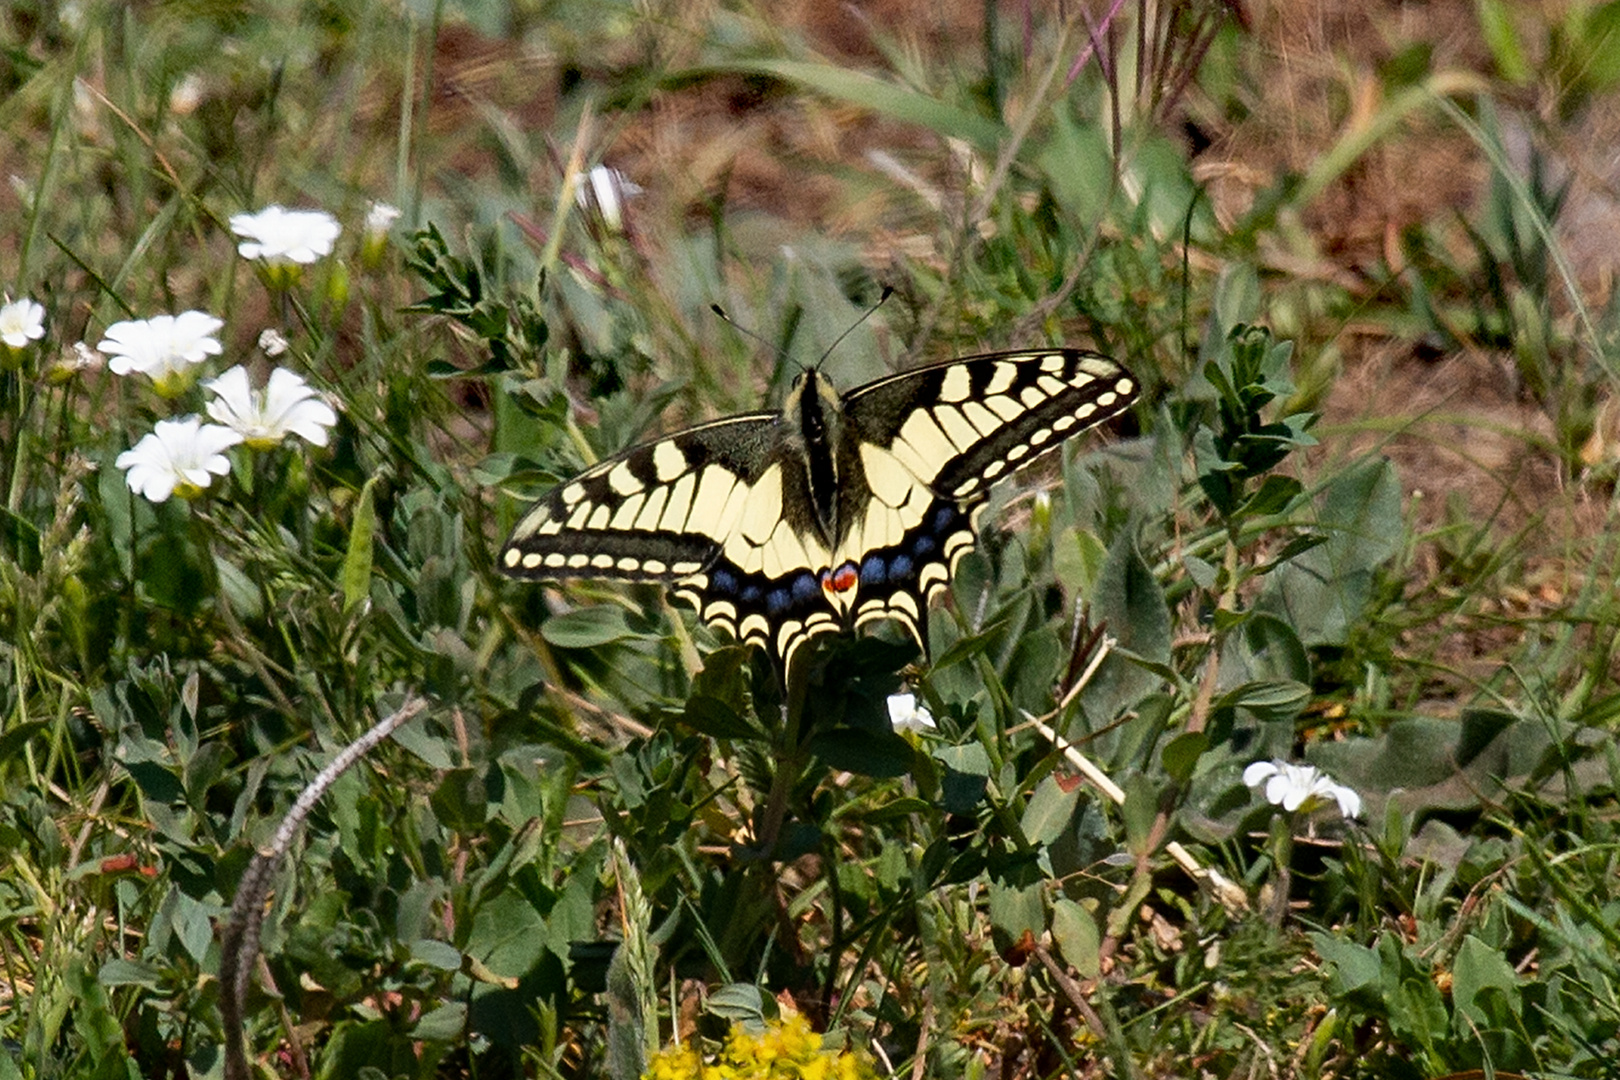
(239, 940)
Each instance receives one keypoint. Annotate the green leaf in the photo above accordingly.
(1204, 574)
(1324, 591)
(438, 954)
(362, 540)
(434, 750)
(12, 741)
(1502, 38)
(1479, 967)
(1268, 700)
(1598, 49)
(20, 540)
(967, 775)
(1074, 929)
(1237, 294)
(1355, 967)
(1077, 558)
(1480, 727)
(1130, 601)
(587, 628)
(1140, 810)
(1049, 811)
(1275, 495)
(155, 781)
(741, 1003)
(1266, 649)
(461, 800)
(717, 719)
(865, 753)
(1417, 1013)
(1078, 163)
(969, 646)
(508, 936)
(1121, 914)
(1180, 755)
(239, 590)
(1016, 910)
(120, 972)
(443, 1024)
(969, 758)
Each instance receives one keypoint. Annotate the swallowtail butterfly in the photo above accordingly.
(834, 512)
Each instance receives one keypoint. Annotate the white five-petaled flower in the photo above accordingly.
(21, 321)
(906, 714)
(287, 406)
(180, 457)
(280, 236)
(164, 347)
(1300, 787)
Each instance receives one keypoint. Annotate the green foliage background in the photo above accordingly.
(605, 827)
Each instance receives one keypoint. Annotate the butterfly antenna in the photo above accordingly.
(743, 330)
(888, 291)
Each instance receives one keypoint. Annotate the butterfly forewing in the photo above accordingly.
(656, 512)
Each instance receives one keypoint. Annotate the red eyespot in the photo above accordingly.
(840, 580)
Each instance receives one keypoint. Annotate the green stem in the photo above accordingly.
(790, 758)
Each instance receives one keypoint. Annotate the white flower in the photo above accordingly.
(164, 347)
(380, 218)
(272, 341)
(86, 359)
(1300, 787)
(374, 237)
(72, 361)
(179, 457)
(905, 714)
(21, 321)
(279, 236)
(607, 190)
(287, 406)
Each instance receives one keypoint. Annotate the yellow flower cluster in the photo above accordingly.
(785, 1051)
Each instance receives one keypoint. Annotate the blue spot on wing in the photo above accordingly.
(805, 589)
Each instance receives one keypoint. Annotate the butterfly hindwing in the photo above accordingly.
(714, 511)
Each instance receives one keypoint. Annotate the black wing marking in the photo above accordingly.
(928, 445)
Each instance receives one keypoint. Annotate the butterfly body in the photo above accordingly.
(836, 511)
